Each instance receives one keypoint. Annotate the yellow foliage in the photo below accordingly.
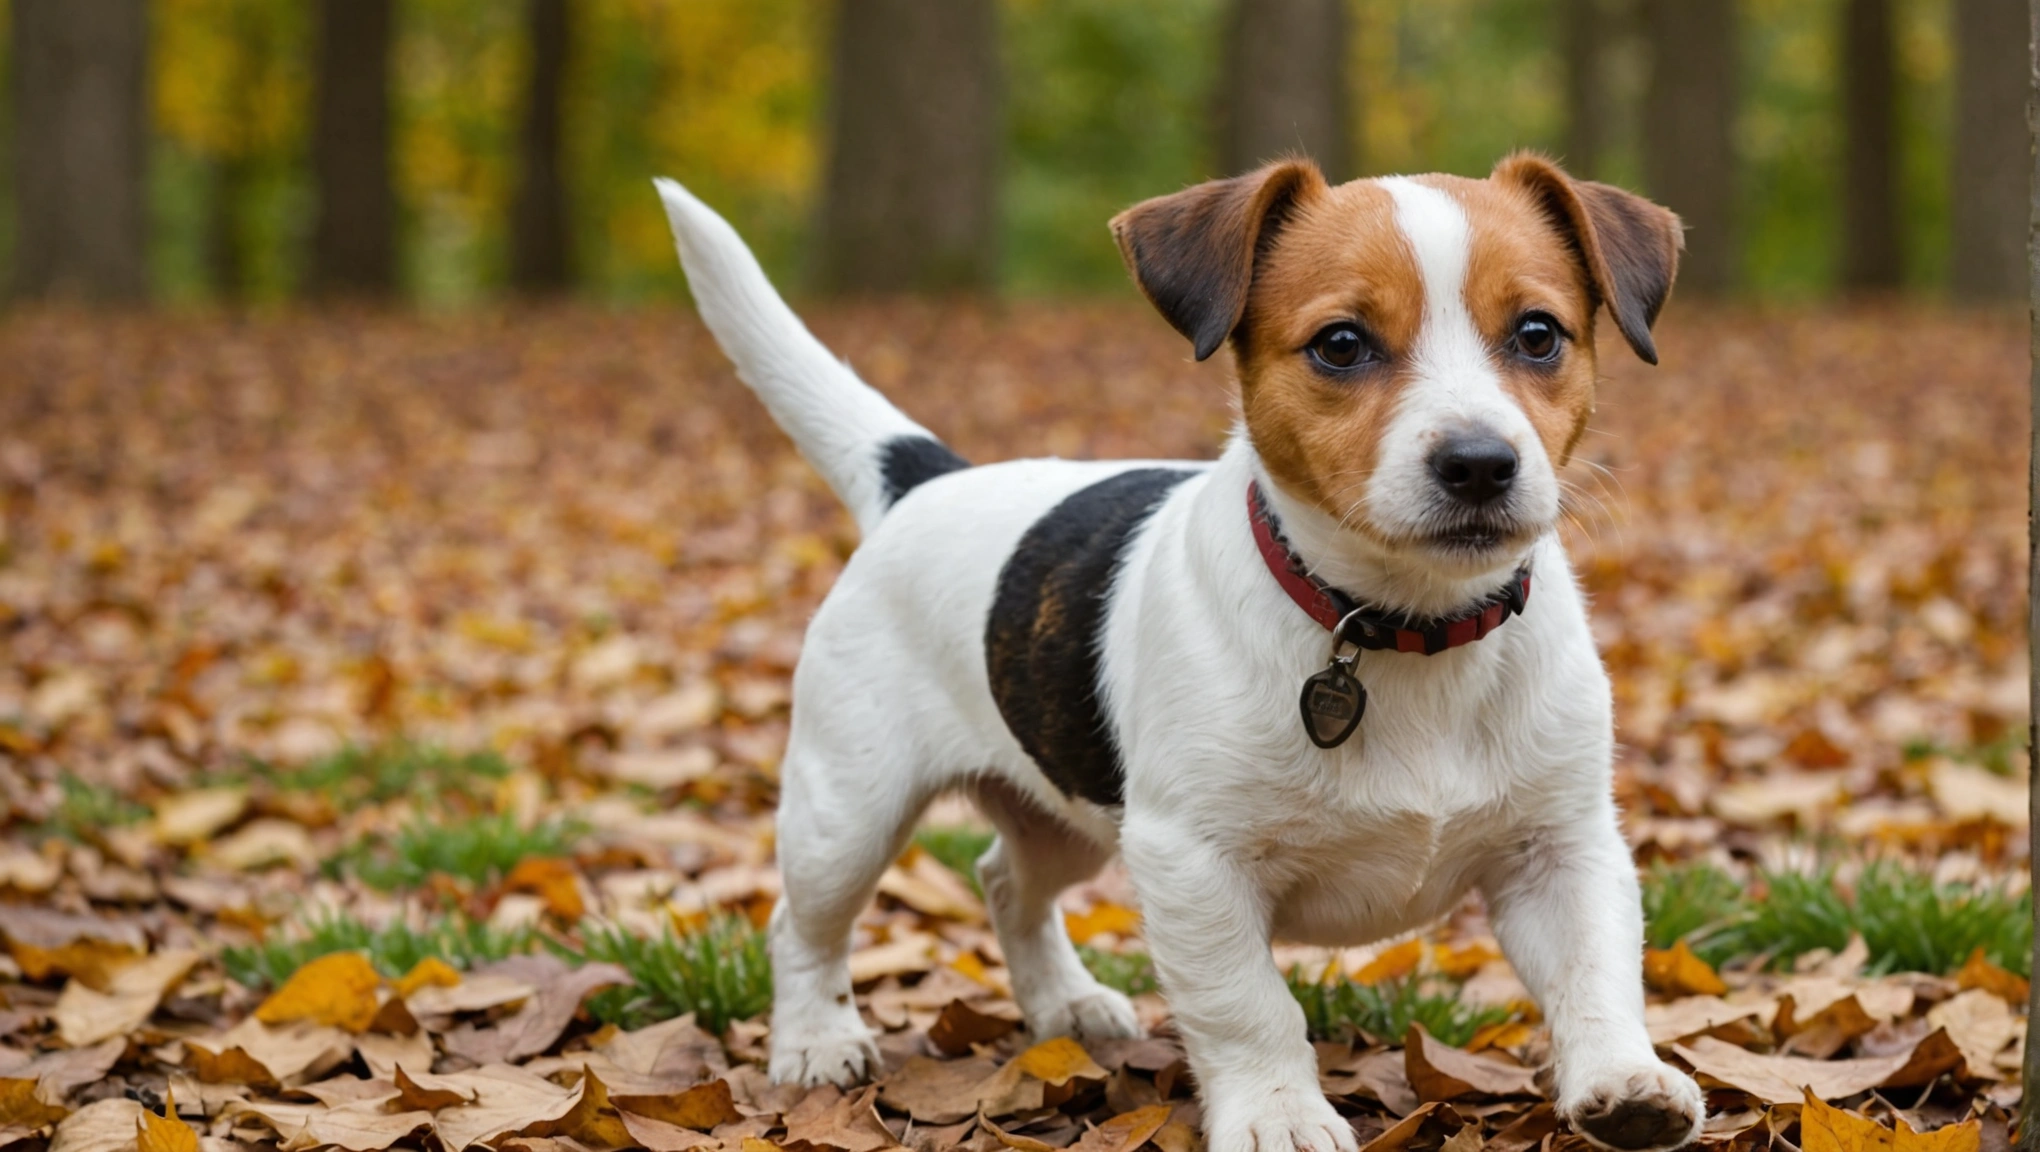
(338, 990)
(227, 75)
(1393, 963)
(1823, 1128)
(1675, 971)
(1102, 918)
(165, 1133)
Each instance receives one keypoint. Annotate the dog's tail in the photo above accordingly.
(868, 450)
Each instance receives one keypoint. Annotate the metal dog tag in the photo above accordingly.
(1334, 700)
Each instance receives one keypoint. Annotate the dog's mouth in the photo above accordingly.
(1477, 538)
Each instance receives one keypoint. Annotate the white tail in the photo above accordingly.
(840, 423)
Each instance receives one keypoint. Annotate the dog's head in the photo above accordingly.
(1416, 354)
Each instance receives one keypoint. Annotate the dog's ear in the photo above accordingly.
(1192, 253)
(1629, 245)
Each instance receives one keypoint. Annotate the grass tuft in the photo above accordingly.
(477, 849)
(394, 949)
(85, 807)
(1337, 1009)
(1132, 973)
(721, 973)
(356, 776)
(1695, 903)
(957, 847)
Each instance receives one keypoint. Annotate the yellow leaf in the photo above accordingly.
(1102, 918)
(165, 1133)
(552, 880)
(1059, 1061)
(338, 990)
(1462, 962)
(1824, 1128)
(21, 1108)
(431, 971)
(1675, 971)
(969, 964)
(1981, 973)
(1393, 964)
(92, 961)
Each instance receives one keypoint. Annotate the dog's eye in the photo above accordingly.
(1537, 337)
(1340, 347)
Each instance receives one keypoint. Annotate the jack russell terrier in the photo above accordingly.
(1305, 689)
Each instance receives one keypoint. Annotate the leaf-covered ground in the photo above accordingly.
(390, 709)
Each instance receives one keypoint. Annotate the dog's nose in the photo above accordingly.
(1475, 468)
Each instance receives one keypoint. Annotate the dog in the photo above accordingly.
(1306, 690)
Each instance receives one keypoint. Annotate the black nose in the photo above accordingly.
(1476, 468)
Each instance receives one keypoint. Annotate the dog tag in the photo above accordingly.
(1333, 702)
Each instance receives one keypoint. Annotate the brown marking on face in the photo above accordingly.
(1519, 262)
(1339, 257)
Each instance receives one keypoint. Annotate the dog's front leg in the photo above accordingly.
(1207, 924)
(1566, 908)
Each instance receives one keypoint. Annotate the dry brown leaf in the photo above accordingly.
(1979, 972)
(702, 1106)
(57, 1074)
(926, 885)
(507, 1099)
(357, 1126)
(1126, 1131)
(659, 1136)
(937, 1091)
(907, 953)
(290, 1054)
(85, 1017)
(1980, 1024)
(1692, 1015)
(1676, 971)
(674, 1049)
(194, 817)
(103, 1126)
(476, 992)
(1826, 1129)
(337, 989)
(430, 1093)
(1436, 1116)
(1785, 1079)
(830, 1118)
(165, 1133)
(381, 1052)
(535, 1027)
(1438, 1071)
(960, 1026)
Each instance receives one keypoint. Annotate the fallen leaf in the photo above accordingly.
(193, 817)
(20, 1107)
(702, 1106)
(338, 989)
(165, 1133)
(659, 1136)
(103, 1126)
(1102, 918)
(552, 880)
(538, 1024)
(1980, 1024)
(1826, 1129)
(1438, 1071)
(429, 1093)
(85, 1017)
(1979, 972)
(1393, 963)
(1126, 1131)
(1785, 1079)
(1676, 971)
(926, 885)
(430, 972)
(507, 1100)
(286, 1054)
(960, 1026)
(937, 1091)
(830, 1118)
(357, 1126)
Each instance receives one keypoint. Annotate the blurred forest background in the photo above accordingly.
(449, 151)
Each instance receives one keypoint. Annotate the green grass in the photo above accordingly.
(399, 769)
(1130, 972)
(1385, 1011)
(477, 849)
(394, 949)
(721, 973)
(958, 847)
(1908, 922)
(84, 807)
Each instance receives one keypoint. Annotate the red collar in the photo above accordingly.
(1365, 625)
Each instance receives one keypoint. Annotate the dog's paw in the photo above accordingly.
(1281, 1120)
(1638, 1109)
(1097, 1013)
(841, 1058)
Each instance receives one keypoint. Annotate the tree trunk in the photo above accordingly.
(1688, 118)
(1988, 261)
(2028, 1135)
(1872, 251)
(1585, 28)
(909, 202)
(540, 255)
(81, 145)
(354, 243)
(1283, 85)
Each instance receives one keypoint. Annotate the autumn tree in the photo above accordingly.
(1988, 194)
(1283, 87)
(354, 237)
(1584, 29)
(80, 132)
(909, 197)
(1688, 117)
(1872, 253)
(540, 252)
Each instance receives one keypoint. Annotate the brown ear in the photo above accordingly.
(1629, 245)
(1192, 253)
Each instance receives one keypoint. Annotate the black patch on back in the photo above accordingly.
(1047, 622)
(907, 462)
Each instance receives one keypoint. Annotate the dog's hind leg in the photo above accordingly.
(840, 825)
(1034, 858)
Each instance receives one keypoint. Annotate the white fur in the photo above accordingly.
(1485, 766)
